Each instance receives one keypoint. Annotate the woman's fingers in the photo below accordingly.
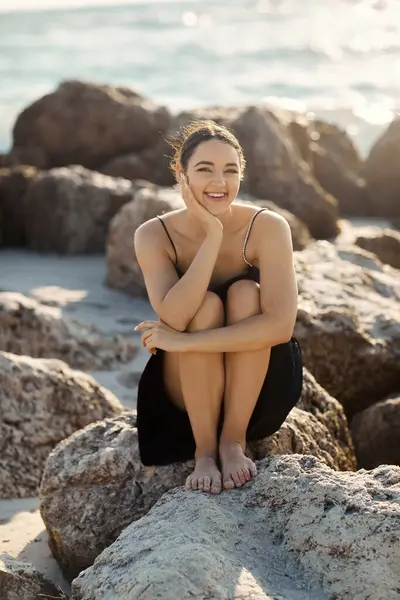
(145, 325)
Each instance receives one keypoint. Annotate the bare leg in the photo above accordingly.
(245, 373)
(195, 382)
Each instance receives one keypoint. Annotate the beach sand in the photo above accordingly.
(75, 284)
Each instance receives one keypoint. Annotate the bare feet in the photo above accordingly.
(237, 469)
(206, 476)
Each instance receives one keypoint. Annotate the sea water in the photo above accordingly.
(335, 58)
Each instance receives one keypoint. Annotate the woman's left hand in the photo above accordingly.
(160, 335)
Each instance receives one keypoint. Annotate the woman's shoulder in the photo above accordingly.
(151, 228)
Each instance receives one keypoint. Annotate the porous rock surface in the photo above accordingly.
(298, 530)
(376, 433)
(95, 485)
(86, 123)
(348, 323)
(33, 329)
(21, 581)
(384, 243)
(123, 271)
(42, 402)
(68, 210)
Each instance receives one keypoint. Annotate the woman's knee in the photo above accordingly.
(210, 314)
(243, 300)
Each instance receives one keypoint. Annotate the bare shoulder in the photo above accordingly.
(150, 232)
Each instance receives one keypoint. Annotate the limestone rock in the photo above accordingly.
(348, 323)
(30, 328)
(42, 402)
(86, 123)
(275, 169)
(21, 581)
(298, 530)
(376, 433)
(382, 173)
(68, 210)
(385, 244)
(123, 271)
(95, 485)
(13, 185)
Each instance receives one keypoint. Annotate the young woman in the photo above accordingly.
(225, 367)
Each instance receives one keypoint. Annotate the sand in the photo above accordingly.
(75, 284)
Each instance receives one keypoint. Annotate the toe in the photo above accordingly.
(207, 484)
(216, 486)
(200, 484)
(194, 483)
(246, 474)
(252, 469)
(236, 479)
(229, 484)
(188, 484)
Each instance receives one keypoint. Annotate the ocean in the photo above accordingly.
(337, 59)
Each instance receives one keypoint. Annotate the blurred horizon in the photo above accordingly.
(336, 60)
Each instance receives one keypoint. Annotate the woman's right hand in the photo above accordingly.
(207, 219)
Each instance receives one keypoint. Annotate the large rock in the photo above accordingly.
(42, 402)
(275, 169)
(68, 210)
(94, 484)
(384, 243)
(13, 185)
(86, 123)
(376, 433)
(21, 581)
(382, 173)
(299, 530)
(30, 328)
(348, 323)
(123, 271)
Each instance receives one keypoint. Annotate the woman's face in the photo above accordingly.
(213, 174)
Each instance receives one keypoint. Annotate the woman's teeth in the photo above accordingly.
(216, 195)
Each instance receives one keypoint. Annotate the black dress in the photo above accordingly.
(164, 432)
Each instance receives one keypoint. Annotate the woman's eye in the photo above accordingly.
(203, 169)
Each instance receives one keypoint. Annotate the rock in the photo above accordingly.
(382, 173)
(299, 530)
(87, 124)
(300, 233)
(348, 323)
(42, 402)
(21, 581)
(151, 165)
(375, 432)
(385, 244)
(123, 271)
(14, 183)
(94, 484)
(275, 169)
(30, 328)
(68, 210)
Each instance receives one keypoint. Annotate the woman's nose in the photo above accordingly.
(219, 177)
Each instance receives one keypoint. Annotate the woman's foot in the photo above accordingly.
(206, 476)
(237, 469)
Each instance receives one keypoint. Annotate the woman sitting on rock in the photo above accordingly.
(225, 367)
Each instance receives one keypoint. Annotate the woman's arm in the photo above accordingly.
(175, 300)
(278, 295)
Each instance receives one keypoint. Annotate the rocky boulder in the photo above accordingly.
(375, 432)
(382, 173)
(42, 402)
(68, 210)
(298, 530)
(384, 243)
(32, 329)
(123, 271)
(87, 124)
(347, 323)
(95, 485)
(275, 168)
(14, 183)
(300, 232)
(21, 581)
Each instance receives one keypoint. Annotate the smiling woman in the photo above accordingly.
(225, 368)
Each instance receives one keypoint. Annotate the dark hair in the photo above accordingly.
(196, 132)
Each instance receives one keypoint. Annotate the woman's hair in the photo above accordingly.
(196, 132)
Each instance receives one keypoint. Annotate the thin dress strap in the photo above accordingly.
(246, 239)
(169, 237)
